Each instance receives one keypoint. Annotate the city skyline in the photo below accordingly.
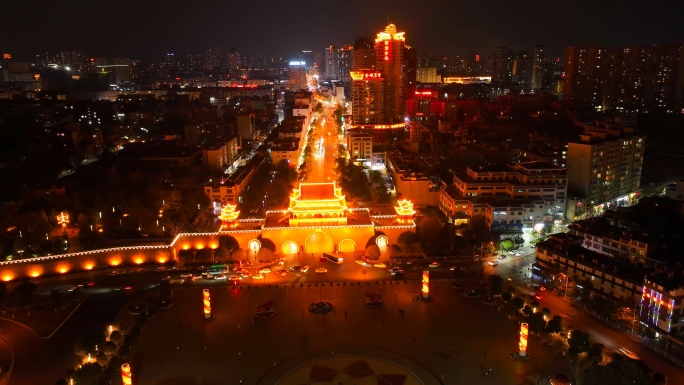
(153, 28)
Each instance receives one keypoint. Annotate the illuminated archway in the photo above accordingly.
(381, 241)
(318, 242)
(290, 247)
(254, 245)
(347, 246)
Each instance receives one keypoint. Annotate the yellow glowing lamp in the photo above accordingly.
(524, 331)
(228, 213)
(126, 374)
(426, 284)
(63, 218)
(207, 303)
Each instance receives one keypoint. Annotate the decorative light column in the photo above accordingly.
(524, 331)
(126, 374)
(426, 284)
(206, 300)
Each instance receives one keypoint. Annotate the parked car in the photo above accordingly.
(321, 270)
(396, 271)
(434, 264)
(304, 269)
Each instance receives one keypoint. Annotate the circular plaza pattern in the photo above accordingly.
(350, 369)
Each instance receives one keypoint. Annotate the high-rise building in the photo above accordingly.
(309, 57)
(332, 63)
(298, 75)
(170, 60)
(368, 97)
(409, 68)
(603, 168)
(346, 62)
(521, 70)
(537, 67)
(632, 79)
(502, 63)
(196, 61)
(427, 75)
(212, 59)
(233, 62)
(363, 54)
(389, 60)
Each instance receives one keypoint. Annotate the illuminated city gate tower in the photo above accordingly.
(317, 204)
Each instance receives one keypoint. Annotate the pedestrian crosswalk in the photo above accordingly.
(80, 296)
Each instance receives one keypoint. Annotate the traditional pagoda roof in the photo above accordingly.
(228, 213)
(405, 208)
(317, 198)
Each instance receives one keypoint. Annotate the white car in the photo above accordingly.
(304, 269)
(321, 270)
(493, 263)
(264, 271)
(186, 275)
(220, 277)
(360, 262)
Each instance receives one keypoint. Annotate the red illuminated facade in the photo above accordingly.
(390, 47)
(424, 103)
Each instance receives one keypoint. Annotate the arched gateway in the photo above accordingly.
(318, 242)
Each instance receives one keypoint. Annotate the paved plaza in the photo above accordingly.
(449, 340)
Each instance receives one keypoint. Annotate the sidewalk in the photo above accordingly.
(674, 355)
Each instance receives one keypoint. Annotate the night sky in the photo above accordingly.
(149, 28)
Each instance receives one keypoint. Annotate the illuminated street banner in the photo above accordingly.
(207, 303)
(426, 284)
(524, 331)
(126, 374)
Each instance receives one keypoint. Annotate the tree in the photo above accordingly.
(109, 347)
(238, 255)
(88, 374)
(25, 290)
(579, 341)
(595, 352)
(115, 337)
(264, 254)
(555, 325)
(527, 310)
(90, 339)
(507, 296)
(495, 285)
(506, 244)
(221, 254)
(518, 302)
(373, 252)
(536, 322)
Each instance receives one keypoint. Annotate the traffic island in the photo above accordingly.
(518, 357)
(320, 307)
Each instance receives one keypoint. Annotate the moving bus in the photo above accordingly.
(333, 258)
(217, 270)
